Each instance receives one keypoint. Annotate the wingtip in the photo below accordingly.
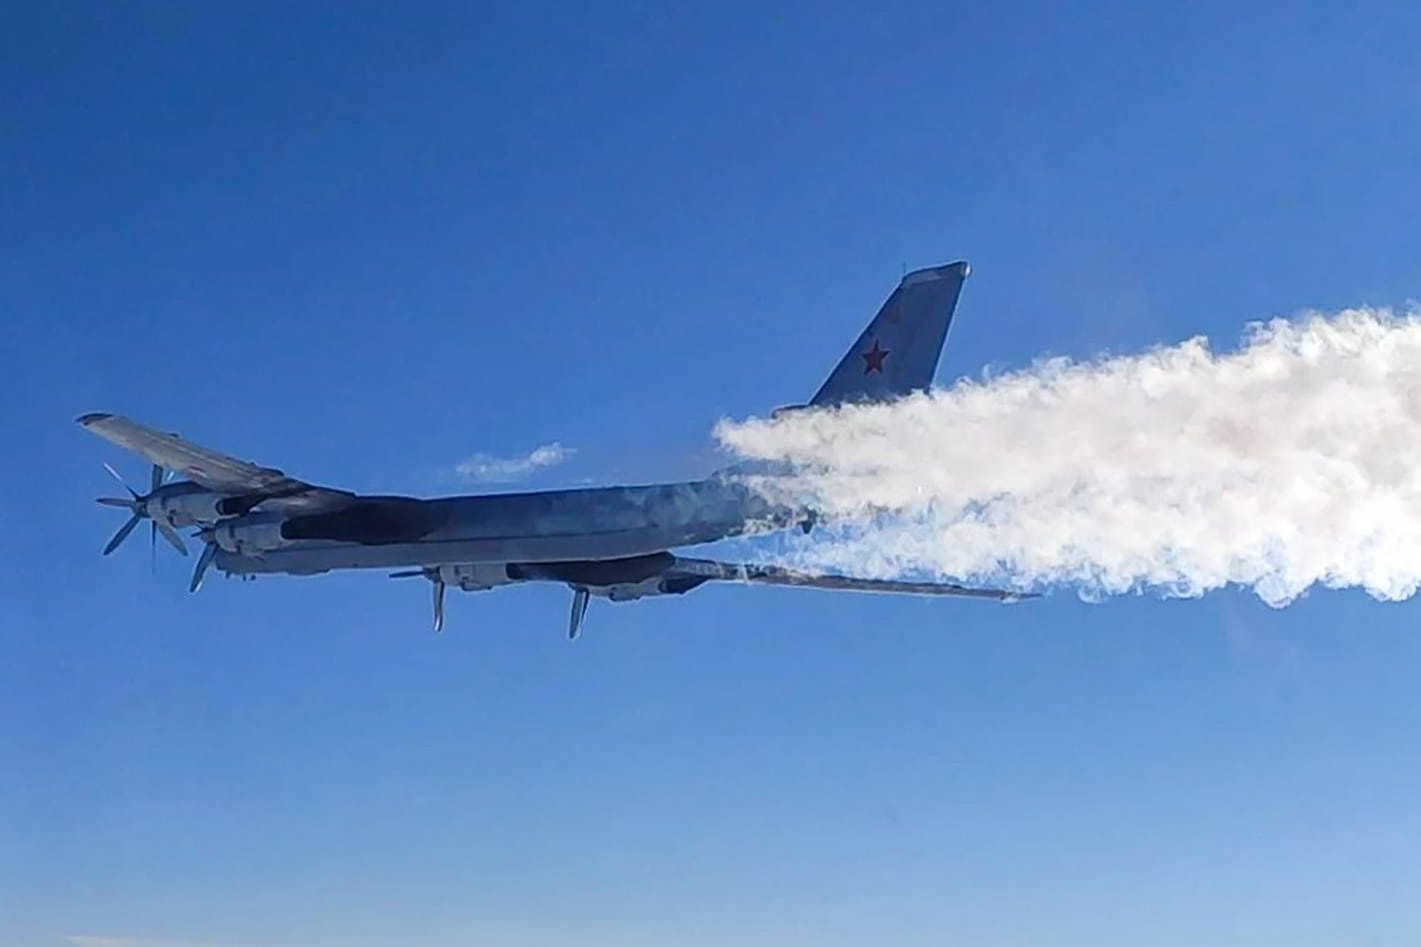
(92, 418)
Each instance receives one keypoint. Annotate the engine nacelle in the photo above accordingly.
(620, 580)
(186, 508)
(629, 591)
(656, 585)
(472, 577)
(249, 535)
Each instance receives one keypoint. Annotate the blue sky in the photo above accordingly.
(368, 244)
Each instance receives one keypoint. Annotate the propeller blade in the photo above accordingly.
(122, 534)
(115, 501)
(438, 604)
(171, 535)
(411, 574)
(124, 483)
(580, 598)
(156, 479)
(152, 547)
(203, 561)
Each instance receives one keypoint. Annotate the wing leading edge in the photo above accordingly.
(756, 574)
(208, 468)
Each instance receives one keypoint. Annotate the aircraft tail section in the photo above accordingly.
(898, 352)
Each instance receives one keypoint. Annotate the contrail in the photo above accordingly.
(1293, 461)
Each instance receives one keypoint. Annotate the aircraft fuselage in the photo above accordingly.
(547, 526)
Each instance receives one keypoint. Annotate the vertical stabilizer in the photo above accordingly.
(898, 352)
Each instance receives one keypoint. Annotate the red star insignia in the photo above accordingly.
(873, 359)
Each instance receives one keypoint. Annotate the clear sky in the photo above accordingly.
(367, 243)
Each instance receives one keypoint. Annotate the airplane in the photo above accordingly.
(613, 542)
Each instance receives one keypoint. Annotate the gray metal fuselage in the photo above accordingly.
(621, 543)
(599, 523)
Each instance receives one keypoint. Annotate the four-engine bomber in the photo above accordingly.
(612, 542)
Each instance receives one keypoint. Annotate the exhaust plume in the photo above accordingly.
(1293, 461)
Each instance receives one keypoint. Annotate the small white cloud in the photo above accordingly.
(492, 469)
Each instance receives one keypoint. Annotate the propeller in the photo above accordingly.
(209, 552)
(437, 580)
(581, 595)
(137, 506)
(438, 604)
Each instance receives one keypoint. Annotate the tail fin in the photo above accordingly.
(899, 351)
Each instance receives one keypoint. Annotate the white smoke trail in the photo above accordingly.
(1293, 461)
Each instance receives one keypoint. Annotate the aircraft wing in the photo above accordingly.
(755, 574)
(209, 468)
